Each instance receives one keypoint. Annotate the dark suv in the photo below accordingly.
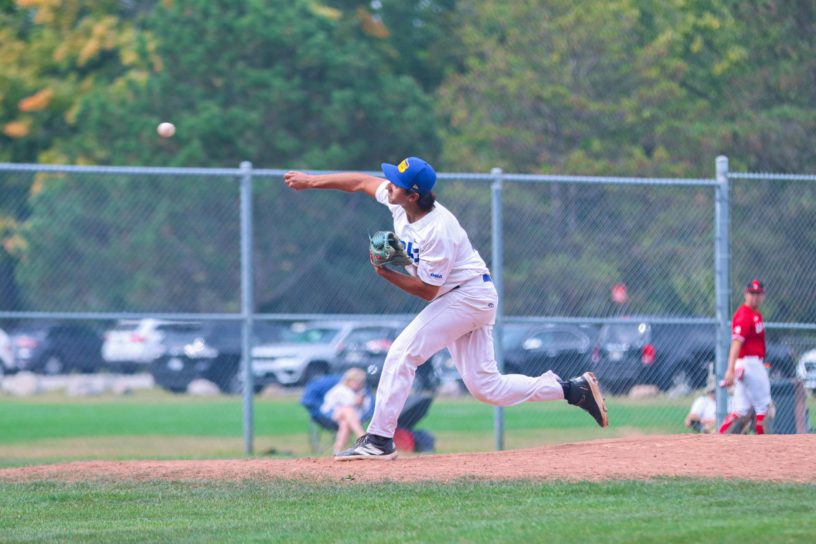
(209, 350)
(534, 349)
(367, 347)
(56, 348)
(666, 355)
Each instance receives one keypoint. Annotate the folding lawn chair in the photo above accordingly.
(322, 428)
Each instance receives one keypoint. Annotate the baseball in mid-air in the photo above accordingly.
(166, 130)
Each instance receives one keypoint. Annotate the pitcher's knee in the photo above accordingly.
(412, 355)
(486, 388)
(409, 348)
(398, 366)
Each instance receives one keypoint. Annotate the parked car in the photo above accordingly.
(131, 345)
(56, 348)
(209, 350)
(366, 348)
(806, 370)
(780, 360)
(7, 365)
(641, 352)
(534, 349)
(312, 349)
(666, 355)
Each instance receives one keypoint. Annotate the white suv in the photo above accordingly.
(132, 344)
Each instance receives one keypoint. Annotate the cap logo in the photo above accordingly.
(415, 186)
(755, 287)
(403, 166)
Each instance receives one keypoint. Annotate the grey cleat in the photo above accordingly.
(369, 447)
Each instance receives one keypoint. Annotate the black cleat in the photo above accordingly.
(585, 392)
(369, 447)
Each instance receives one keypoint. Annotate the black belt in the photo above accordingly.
(485, 278)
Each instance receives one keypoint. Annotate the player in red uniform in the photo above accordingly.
(746, 369)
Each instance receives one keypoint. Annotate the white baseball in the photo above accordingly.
(166, 130)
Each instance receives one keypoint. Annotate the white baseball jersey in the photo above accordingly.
(461, 318)
(438, 245)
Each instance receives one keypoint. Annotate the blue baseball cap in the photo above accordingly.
(412, 174)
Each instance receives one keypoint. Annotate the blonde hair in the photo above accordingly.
(357, 375)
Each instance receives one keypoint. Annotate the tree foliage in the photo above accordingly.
(622, 87)
(600, 87)
(278, 85)
(636, 88)
(54, 54)
(282, 86)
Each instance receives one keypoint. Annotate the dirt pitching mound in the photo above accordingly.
(779, 458)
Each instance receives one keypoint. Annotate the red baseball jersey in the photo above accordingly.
(747, 326)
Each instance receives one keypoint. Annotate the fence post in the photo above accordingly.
(722, 280)
(498, 282)
(247, 306)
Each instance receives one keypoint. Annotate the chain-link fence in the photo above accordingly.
(178, 274)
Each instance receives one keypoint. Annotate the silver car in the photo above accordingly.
(310, 351)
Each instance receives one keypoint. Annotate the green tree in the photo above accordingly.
(282, 86)
(51, 56)
(600, 87)
(596, 88)
(770, 116)
(641, 88)
(276, 85)
(415, 36)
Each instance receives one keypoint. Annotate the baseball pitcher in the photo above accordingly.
(442, 268)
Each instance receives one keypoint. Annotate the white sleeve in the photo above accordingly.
(435, 261)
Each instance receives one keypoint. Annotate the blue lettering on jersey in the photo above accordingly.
(412, 251)
(438, 276)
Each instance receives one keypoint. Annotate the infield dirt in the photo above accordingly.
(779, 458)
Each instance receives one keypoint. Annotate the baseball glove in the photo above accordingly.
(385, 248)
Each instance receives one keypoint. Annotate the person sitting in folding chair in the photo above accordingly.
(407, 439)
(346, 404)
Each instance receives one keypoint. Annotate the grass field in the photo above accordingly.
(152, 424)
(656, 511)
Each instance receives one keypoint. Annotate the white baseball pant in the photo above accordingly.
(753, 389)
(461, 320)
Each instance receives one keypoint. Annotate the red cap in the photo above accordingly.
(755, 286)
